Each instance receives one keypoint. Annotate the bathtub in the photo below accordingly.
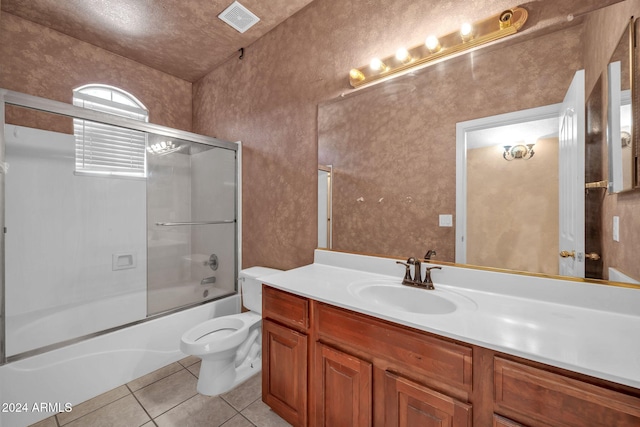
(40, 328)
(83, 370)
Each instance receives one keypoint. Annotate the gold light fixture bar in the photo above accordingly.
(479, 33)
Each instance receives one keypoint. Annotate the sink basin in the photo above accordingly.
(397, 297)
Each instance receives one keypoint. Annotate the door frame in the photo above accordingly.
(462, 128)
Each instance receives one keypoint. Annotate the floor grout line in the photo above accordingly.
(143, 408)
(91, 412)
(130, 391)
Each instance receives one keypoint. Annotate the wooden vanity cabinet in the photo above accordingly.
(409, 404)
(499, 421)
(327, 366)
(377, 373)
(343, 389)
(285, 348)
(539, 397)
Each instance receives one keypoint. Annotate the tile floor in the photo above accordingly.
(167, 397)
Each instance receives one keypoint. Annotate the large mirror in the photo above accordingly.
(620, 141)
(392, 148)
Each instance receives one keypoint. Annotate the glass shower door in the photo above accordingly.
(191, 223)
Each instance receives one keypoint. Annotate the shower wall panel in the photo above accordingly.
(213, 197)
(64, 236)
(168, 200)
(189, 188)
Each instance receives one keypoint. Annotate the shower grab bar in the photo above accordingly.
(171, 224)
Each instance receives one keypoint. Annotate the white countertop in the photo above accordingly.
(586, 328)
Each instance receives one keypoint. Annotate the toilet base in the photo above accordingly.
(212, 380)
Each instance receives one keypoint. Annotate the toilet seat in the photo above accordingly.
(218, 334)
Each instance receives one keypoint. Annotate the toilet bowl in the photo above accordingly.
(230, 346)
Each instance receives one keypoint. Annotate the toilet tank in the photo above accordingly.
(251, 288)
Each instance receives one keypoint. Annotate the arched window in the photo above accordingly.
(106, 149)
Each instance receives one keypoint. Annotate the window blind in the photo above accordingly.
(102, 148)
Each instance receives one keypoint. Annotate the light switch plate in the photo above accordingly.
(616, 228)
(446, 220)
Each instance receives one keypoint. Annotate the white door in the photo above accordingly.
(324, 206)
(571, 161)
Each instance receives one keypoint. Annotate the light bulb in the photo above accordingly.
(377, 65)
(356, 75)
(403, 56)
(466, 32)
(432, 43)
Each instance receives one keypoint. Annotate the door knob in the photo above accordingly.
(567, 254)
(592, 256)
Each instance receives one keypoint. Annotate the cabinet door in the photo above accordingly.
(499, 421)
(408, 404)
(538, 397)
(343, 389)
(284, 372)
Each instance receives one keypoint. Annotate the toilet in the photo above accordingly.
(230, 346)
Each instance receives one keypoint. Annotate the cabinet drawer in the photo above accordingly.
(286, 308)
(442, 360)
(560, 401)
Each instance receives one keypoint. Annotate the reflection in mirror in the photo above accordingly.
(619, 117)
(324, 206)
(518, 230)
(392, 147)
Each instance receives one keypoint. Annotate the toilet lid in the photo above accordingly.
(219, 334)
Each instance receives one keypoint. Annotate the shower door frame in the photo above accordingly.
(24, 100)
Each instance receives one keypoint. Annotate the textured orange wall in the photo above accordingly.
(518, 229)
(269, 101)
(42, 62)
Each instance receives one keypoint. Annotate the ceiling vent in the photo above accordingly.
(239, 17)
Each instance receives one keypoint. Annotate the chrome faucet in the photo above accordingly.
(416, 280)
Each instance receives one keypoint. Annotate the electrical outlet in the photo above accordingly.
(616, 228)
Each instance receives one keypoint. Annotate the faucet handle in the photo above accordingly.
(407, 272)
(432, 268)
(427, 277)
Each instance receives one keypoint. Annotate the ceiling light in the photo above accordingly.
(435, 49)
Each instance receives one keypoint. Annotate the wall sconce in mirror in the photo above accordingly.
(625, 139)
(436, 49)
(520, 151)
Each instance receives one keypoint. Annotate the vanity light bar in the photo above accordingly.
(437, 48)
